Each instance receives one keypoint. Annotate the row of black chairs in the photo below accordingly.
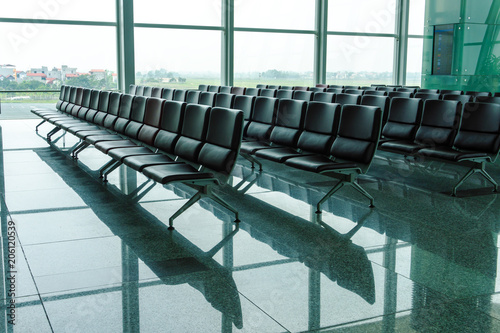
(167, 141)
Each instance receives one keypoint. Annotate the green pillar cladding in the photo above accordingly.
(462, 45)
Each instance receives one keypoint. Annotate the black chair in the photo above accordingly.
(386, 88)
(347, 99)
(479, 93)
(427, 96)
(351, 152)
(303, 95)
(192, 96)
(238, 90)
(300, 88)
(335, 90)
(268, 92)
(283, 93)
(407, 89)
(139, 90)
(245, 104)
(252, 91)
(207, 98)
(352, 87)
(375, 92)
(451, 92)
(477, 142)
(354, 91)
(488, 99)
(383, 102)
(405, 115)
(180, 95)
(168, 94)
(225, 89)
(428, 91)
(261, 86)
(147, 91)
(402, 94)
(439, 127)
(214, 89)
(273, 86)
(320, 129)
(131, 89)
(456, 97)
(286, 87)
(156, 92)
(317, 89)
(224, 100)
(217, 154)
(203, 87)
(324, 97)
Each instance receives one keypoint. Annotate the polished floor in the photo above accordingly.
(91, 257)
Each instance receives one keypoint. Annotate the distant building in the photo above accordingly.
(36, 77)
(98, 74)
(7, 70)
(41, 70)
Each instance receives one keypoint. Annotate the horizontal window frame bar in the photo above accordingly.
(177, 26)
(58, 22)
(279, 31)
(360, 34)
(28, 91)
(416, 36)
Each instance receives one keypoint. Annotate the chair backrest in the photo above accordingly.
(347, 99)
(225, 89)
(440, 122)
(131, 89)
(403, 94)
(252, 91)
(376, 92)
(488, 99)
(78, 97)
(245, 104)
(168, 94)
(113, 110)
(406, 89)
(478, 93)
(136, 117)
(87, 93)
(94, 99)
(286, 87)
(214, 89)
(358, 134)
(428, 91)
(303, 95)
(335, 86)
(320, 127)
(383, 102)
(124, 113)
(354, 91)
(352, 87)
(67, 93)
(223, 140)
(62, 92)
(388, 89)
(139, 90)
(273, 86)
(156, 92)
(193, 132)
(261, 86)
(238, 90)
(451, 92)
(480, 129)
(300, 88)
(171, 125)
(263, 117)
(203, 87)
(268, 92)
(405, 115)
(324, 97)
(455, 97)
(289, 122)
(207, 98)
(427, 96)
(224, 100)
(317, 89)
(104, 101)
(335, 90)
(322, 85)
(193, 96)
(147, 91)
(180, 95)
(152, 121)
(283, 93)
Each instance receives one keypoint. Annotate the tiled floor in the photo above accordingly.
(95, 258)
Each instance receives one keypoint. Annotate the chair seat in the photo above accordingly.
(79, 128)
(139, 162)
(279, 155)
(120, 153)
(401, 147)
(449, 154)
(106, 146)
(318, 163)
(175, 172)
(93, 139)
(250, 147)
(84, 134)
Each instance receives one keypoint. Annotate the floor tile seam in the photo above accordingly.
(69, 240)
(264, 312)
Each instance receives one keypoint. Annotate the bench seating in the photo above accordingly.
(167, 141)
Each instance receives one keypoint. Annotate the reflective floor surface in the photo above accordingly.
(90, 257)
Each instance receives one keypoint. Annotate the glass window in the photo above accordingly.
(275, 14)
(53, 54)
(80, 10)
(414, 64)
(185, 59)
(186, 12)
(281, 58)
(360, 60)
(369, 16)
(417, 17)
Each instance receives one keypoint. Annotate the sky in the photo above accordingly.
(29, 45)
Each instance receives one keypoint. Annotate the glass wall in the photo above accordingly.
(415, 42)
(178, 43)
(361, 40)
